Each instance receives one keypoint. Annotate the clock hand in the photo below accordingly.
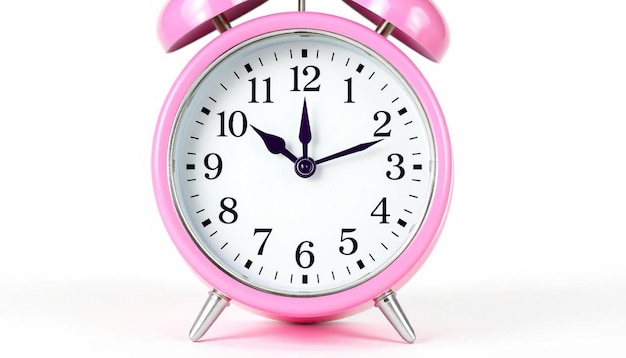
(275, 144)
(305, 131)
(355, 149)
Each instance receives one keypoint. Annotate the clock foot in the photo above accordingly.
(388, 304)
(213, 307)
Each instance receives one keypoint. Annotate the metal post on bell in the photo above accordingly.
(221, 23)
(385, 28)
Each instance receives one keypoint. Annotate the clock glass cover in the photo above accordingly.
(301, 163)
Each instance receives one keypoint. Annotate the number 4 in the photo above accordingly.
(381, 211)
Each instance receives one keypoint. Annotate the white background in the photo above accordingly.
(531, 263)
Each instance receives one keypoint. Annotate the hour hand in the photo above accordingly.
(275, 144)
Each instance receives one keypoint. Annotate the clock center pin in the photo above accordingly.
(305, 167)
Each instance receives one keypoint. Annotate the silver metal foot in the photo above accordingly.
(388, 304)
(213, 307)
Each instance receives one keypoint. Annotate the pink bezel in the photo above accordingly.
(304, 309)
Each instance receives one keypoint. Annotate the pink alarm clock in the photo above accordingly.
(301, 163)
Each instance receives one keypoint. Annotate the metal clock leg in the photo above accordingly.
(388, 304)
(213, 307)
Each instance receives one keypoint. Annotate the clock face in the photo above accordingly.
(301, 163)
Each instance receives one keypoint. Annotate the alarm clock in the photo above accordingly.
(301, 162)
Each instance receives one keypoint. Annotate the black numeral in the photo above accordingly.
(237, 124)
(386, 117)
(381, 211)
(228, 214)
(349, 82)
(400, 172)
(267, 233)
(308, 256)
(310, 86)
(268, 94)
(214, 169)
(353, 243)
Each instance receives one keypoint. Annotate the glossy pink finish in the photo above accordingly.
(299, 309)
(419, 24)
(184, 21)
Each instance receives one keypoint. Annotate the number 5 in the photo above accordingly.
(355, 244)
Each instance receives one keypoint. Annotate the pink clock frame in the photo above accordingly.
(332, 306)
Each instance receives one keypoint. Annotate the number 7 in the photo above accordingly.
(263, 231)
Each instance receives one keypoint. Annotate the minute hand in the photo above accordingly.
(355, 149)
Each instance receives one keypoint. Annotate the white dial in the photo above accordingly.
(301, 163)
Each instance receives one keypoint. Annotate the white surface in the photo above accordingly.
(531, 262)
